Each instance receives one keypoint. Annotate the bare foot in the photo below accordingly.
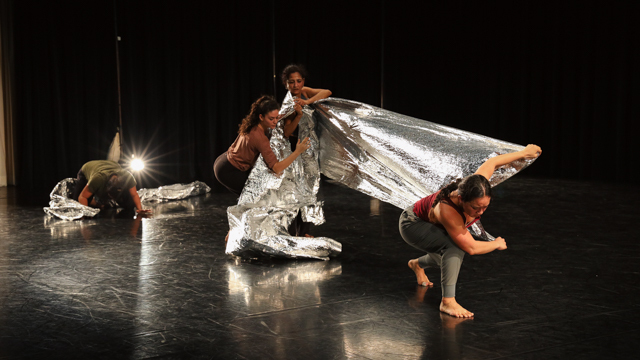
(309, 236)
(450, 306)
(422, 278)
(449, 322)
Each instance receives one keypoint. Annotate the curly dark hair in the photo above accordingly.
(471, 187)
(264, 105)
(290, 69)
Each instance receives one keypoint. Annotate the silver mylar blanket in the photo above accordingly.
(62, 206)
(173, 192)
(270, 202)
(399, 159)
(394, 158)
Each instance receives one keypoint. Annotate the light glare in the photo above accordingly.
(137, 165)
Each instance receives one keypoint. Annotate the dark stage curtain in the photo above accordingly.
(190, 72)
(562, 74)
(66, 110)
(338, 42)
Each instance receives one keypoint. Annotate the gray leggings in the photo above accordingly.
(441, 250)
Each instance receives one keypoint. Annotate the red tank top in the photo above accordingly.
(422, 207)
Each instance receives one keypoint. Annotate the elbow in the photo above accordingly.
(469, 250)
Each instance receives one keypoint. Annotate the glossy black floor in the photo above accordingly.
(122, 288)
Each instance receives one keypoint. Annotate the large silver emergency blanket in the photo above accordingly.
(399, 159)
(62, 206)
(270, 202)
(394, 158)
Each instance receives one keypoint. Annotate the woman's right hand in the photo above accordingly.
(303, 145)
(502, 244)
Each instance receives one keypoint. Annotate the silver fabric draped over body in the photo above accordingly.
(62, 206)
(270, 202)
(394, 158)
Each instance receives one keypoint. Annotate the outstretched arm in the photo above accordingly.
(489, 166)
(314, 95)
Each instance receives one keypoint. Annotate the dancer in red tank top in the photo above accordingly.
(441, 230)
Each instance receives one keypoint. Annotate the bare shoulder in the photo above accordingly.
(447, 216)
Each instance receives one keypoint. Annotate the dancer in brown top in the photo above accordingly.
(232, 168)
(437, 224)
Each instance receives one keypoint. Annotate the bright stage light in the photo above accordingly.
(137, 165)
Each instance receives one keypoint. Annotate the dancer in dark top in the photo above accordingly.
(293, 78)
(437, 224)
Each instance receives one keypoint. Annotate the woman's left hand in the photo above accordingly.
(531, 151)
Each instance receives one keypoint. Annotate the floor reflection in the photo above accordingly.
(88, 228)
(448, 342)
(185, 207)
(269, 288)
(283, 302)
(122, 287)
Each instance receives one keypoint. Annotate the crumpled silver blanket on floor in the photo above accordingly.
(394, 158)
(63, 207)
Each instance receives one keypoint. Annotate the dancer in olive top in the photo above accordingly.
(437, 224)
(102, 180)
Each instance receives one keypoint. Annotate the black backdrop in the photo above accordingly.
(564, 75)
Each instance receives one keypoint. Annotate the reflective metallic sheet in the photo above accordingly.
(173, 192)
(394, 158)
(269, 203)
(399, 159)
(63, 207)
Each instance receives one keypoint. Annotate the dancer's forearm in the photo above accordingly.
(316, 94)
(280, 166)
(489, 166)
(290, 126)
